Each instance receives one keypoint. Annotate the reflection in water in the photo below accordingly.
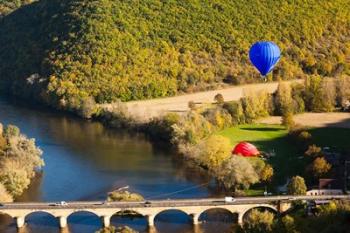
(84, 161)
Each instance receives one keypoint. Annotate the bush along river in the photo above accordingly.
(84, 160)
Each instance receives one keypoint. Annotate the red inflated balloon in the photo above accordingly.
(245, 149)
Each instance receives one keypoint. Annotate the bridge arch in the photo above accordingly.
(5, 219)
(132, 219)
(86, 217)
(177, 218)
(218, 214)
(173, 213)
(41, 218)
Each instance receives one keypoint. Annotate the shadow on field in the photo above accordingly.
(261, 129)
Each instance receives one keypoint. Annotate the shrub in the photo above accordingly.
(219, 98)
(191, 128)
(256, 105)
(162, 128)
(113, 229)
(236, 111)
(304, 139)
(297, 186)
(192, 105)
(124, 196)
(218, 117)
(87, 108)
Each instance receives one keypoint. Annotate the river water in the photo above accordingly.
(84, 160)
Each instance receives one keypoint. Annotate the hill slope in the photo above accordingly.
(62, 51)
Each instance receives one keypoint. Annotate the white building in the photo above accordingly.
(319, 192)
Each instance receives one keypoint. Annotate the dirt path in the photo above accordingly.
(335, 119)
(147, 109)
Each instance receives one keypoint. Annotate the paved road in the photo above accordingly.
(169, 203)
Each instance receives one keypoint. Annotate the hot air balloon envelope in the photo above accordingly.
(245, 149)
(264, 56)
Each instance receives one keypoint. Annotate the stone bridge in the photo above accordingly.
(150, 209)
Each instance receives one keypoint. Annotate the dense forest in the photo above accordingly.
(7, 6)
(63, 52)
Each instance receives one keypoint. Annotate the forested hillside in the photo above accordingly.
(6, 6)
(63, 51)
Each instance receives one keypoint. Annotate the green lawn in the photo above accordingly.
(269, 138)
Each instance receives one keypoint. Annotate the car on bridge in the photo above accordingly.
(61, 203)
(229, 199)
(148, 203)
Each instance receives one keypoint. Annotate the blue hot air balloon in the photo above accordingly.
(264, 55)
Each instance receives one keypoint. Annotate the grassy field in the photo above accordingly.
(269, 138)
(286, 162)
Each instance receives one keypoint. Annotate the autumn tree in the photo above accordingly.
(214, 150)
(267, 173)
(237, 173)
(258, 222)
(313, 151)
(297, 186)
(320, 167)
(288, 120)
(4, 195)
(284, 98)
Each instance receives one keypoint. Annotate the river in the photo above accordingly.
(84, 160)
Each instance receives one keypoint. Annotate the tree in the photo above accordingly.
(267, 173)
(320, 167)
(4, 195)
(284, 98)
(286, 225)
(287, 120)
(328, 95)
(214, 150)
(297, 186)
(236, 173)
(258, 222)
(313, 151)
(219, 98)
(343, 91)
(15, 181)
